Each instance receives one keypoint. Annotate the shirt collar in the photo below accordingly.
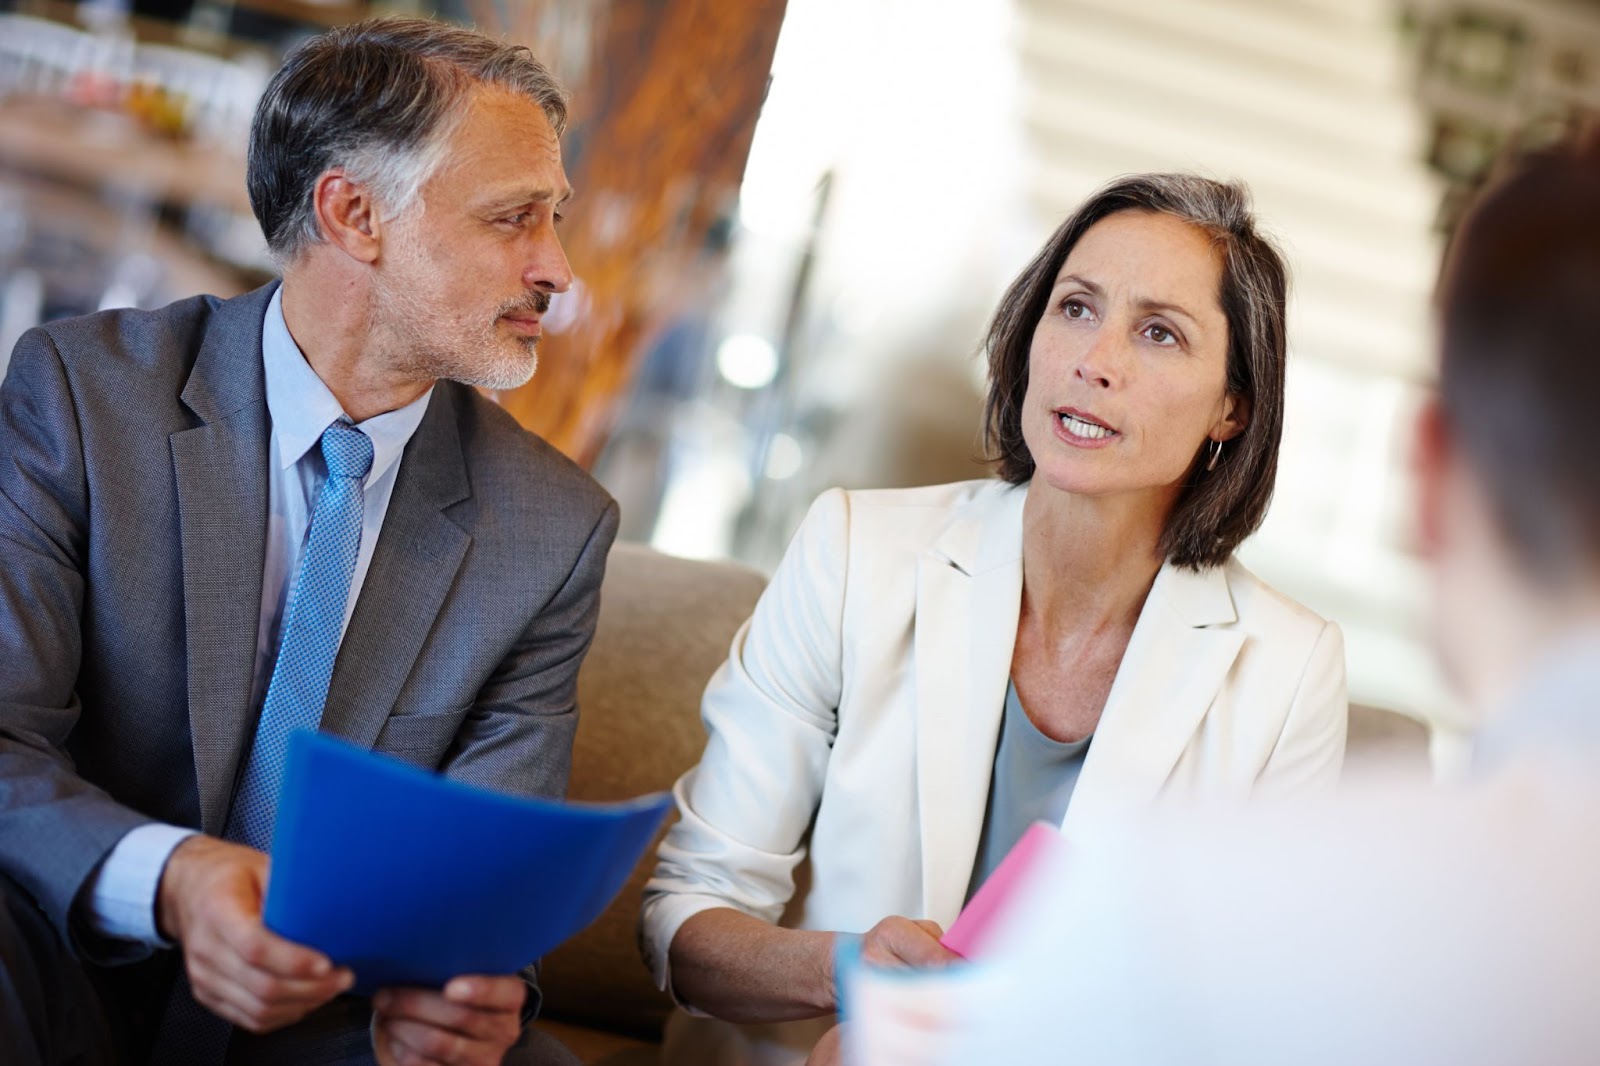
(301, 406)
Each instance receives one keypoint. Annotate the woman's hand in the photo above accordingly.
(904, 942)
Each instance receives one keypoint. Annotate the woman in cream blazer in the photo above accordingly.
(863, 701)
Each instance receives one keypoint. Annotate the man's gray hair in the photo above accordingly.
(379, 99)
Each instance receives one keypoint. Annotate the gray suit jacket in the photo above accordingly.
(133, 513)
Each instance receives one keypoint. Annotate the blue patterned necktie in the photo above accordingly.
(312, 624)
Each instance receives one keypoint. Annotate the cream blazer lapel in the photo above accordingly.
(1174, 665)
(969, 597)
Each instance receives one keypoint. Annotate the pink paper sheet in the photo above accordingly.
(972, 927)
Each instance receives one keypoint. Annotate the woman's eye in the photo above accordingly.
(1161, 335)
(1075, 309)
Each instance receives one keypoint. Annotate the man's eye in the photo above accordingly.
(517, 219)
(559, 217)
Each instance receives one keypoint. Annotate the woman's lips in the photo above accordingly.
(1083, 430)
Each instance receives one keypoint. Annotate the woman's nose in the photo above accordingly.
(1101, 365)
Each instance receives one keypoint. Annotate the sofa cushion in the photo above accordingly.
(665, 626)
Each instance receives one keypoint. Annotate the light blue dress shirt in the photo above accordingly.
(120, 900)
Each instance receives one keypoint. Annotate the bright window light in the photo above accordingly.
(748, 361)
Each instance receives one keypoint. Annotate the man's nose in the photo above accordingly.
(548, 269)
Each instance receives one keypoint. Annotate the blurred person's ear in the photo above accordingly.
(1432, 456)
(347, 216)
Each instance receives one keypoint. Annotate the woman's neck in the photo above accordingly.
(1088, 562)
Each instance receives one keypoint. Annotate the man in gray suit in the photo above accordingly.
(226, 520)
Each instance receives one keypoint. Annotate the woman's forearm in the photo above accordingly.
(741, 969)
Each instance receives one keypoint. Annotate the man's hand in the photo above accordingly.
(209, 901)
(903, 942)
(471, 1023)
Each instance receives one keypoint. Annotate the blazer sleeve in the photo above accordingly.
(771, 714)
(55, 827)
(1310, 750)
(518, 735)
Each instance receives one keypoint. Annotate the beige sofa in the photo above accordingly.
(665, 625)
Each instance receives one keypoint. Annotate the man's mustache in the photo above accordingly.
(536, 301)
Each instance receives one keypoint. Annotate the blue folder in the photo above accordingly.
(410, 878)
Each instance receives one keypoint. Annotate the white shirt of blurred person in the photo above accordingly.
(1135, 410)
(1394, 923)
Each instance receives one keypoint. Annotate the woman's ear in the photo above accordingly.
(1235, 417)
(347, 216)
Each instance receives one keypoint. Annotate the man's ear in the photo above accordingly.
(1433, 449)
(1235, 417)
(347, 216)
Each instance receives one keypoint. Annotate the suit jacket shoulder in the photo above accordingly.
(516, 470)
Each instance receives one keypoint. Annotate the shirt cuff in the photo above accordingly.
(120, 899)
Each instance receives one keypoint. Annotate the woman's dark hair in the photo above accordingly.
(1217, 508)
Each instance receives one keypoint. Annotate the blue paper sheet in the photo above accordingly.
(411, 878)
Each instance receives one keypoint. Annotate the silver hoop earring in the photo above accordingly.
(1216, 455)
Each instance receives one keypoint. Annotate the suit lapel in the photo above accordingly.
(969, 593)
(413, 568)
(1169, 675)
(220, 468)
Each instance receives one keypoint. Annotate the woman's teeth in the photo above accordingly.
(1079, 428)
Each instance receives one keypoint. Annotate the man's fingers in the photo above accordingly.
(421, 1043)
(258, 1000)
(432, 1009)
(261, 949)
(235, 1004)
(391, 1052)
(505, 993)
(274, 991)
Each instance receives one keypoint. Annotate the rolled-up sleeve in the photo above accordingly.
(771, 714)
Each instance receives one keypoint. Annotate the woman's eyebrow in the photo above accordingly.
(1077, 279)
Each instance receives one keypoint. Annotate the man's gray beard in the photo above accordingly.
(501, 374)
(481, 364)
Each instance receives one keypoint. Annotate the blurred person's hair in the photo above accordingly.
(1520, 369)
(379, 99)
(1216, 509)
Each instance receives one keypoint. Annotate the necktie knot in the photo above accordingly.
(347, 451)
